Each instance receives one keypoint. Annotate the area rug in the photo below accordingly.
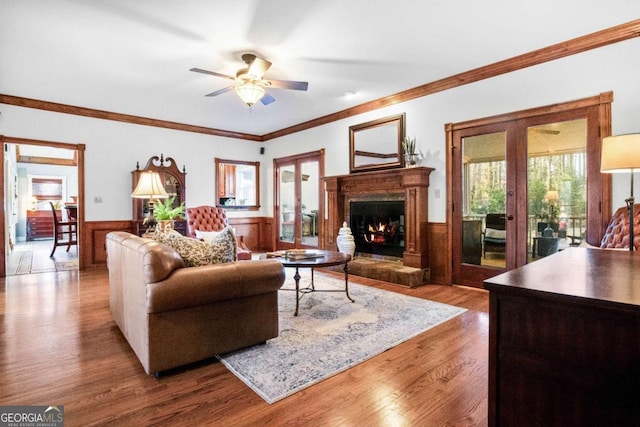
(24, 263)
(67, 265)
(331, 334)
(29, 262)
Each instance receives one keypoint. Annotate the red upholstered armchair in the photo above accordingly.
(210, 218)
(617, 233)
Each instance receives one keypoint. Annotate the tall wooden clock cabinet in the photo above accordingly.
(174, 181)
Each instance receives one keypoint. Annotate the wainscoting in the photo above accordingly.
(258, 234)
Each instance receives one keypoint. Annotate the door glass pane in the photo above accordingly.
(556, 186)
(483, 200)
(287, 203)
(309, 203)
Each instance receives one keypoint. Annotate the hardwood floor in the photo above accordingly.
(61, 347)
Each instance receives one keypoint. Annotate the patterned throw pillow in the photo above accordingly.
(207, 236)
(220, 249)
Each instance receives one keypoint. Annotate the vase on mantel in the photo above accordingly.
(411, 160)
(345, 241)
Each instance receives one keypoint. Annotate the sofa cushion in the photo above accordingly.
(220, 249)
(492, 233)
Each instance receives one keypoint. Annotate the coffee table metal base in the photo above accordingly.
(300, 292)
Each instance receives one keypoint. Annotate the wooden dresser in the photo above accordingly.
(39, 225)
(564, 340)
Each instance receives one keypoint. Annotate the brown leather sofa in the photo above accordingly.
(173, 315)
(211, 218)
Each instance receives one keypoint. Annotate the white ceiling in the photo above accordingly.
(134, 57)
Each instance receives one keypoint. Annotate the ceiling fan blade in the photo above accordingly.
(288, 84)
(220, 92)
(211, 73)
(267, 99)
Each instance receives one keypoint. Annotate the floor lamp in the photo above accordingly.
(150, 187)
(621, 153)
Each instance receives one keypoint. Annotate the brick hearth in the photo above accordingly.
(393, 272)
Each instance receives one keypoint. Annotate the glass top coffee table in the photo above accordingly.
(312, 258)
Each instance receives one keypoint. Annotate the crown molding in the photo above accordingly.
(118, 117)
(574, 46)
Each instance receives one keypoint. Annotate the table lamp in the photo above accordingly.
(150, 187)
(621, 154)
(552, 197)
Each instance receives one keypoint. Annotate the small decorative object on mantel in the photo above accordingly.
(411, 156)
(345, 241)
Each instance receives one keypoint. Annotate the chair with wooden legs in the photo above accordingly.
(65, 233)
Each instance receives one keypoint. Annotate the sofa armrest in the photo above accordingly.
(195, 286)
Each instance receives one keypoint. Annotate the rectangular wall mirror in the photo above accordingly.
(377, 144)
(238, 184)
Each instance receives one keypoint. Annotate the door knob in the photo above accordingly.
(510, 217)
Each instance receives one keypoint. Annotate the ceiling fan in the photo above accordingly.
(249, 84)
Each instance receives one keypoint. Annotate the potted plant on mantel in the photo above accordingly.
(411, 156)
(165, 213)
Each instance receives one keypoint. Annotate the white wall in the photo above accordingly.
(612, 68)
(113, 147)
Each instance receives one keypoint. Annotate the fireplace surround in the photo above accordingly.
(407, 185)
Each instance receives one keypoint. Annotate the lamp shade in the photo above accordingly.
(620, 153)
(149, 187)
(250, 93)
(552, 195)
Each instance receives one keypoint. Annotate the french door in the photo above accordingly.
(523, 188)
(299, 202)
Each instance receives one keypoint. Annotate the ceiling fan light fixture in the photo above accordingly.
(250, 93)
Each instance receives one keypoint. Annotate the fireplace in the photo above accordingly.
(406, 185)
(378, 227)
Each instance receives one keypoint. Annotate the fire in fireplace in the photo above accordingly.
(378, 227)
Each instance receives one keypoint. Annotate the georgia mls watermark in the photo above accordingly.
(32, 416)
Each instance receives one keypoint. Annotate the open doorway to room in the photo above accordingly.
(41, 179)
(299, 205)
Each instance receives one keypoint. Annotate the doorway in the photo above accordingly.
(299, 205)
(524, 186)
(36, 176)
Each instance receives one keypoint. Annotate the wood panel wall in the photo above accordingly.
(252, 229)
(439, 256)
(93, 239)
(257, 233)
(259, 236)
